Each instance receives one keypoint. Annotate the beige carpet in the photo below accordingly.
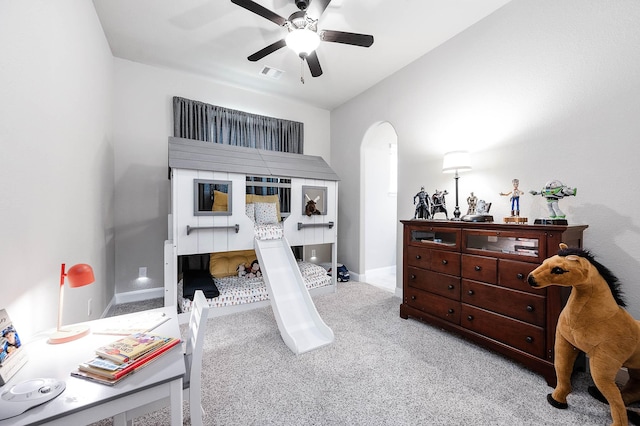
(381, 370)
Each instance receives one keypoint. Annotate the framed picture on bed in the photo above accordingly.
(314, 200)
(211, 197)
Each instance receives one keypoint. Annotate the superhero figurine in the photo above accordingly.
(423, 210)
(553, 191)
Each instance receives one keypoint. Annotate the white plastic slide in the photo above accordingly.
(300, 325)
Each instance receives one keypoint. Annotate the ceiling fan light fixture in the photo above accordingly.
(303, 41)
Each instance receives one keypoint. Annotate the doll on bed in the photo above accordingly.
(252, 271)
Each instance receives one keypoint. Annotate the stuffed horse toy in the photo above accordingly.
(593, 321)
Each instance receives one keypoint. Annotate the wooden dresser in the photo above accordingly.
(471, 279)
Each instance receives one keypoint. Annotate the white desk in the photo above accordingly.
(83, 401)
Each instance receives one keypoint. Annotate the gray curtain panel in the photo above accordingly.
(211, 123)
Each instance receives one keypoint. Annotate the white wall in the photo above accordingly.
(378, 245)
(538, 90)
(56, 165)
(143, 121)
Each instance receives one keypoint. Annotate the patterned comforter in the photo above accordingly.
(238, 291)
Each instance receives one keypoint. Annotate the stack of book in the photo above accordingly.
(117, 360)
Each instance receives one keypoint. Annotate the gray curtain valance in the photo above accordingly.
(211, 123)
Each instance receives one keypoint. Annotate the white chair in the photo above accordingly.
(192, 390)
(193, 349)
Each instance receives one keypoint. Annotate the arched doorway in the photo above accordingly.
(379, 205)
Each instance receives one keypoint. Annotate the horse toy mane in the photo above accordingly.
(595, 322)
(607, 275)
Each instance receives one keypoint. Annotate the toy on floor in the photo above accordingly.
(595, 322)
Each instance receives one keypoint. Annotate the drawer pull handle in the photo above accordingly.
(445, 261)
(450, 311)
(478, 268)
(450, 286)
(470, 317)
(529, 339)
(418, 257)
(413, 277)
(413, 298)
(520, 276)
(530, 308)
(470, 292)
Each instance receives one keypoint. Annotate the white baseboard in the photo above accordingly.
(139, 295)
(132, 296)
(387, 270)
(399, 292)
(372, 273)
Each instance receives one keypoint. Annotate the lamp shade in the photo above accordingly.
(456, 161)
(303, 41)
(80, 275)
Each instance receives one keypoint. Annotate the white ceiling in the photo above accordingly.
(214, 37)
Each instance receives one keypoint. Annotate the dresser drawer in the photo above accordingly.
(419, 257)
(513, 274)
(517, 304)
(446, 262)
(480, 268)
(434, 282)
(517, 243)
(526, 337)
(433, 304)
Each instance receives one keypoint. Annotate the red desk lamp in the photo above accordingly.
(78, 275)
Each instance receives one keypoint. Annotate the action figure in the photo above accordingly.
(422, 208)
(483, 207)
(438, 203)
(553, 191)
(472, 200)
(515, 197)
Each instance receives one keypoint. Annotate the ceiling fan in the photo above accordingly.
(303, 36)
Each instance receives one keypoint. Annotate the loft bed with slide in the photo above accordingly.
(232, 207)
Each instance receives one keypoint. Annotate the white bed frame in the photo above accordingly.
(194, 234)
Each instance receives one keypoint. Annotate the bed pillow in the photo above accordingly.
(220, 201)
(225, 264)
(198, 280)
(250, 210)
(252, 198)
(266, 213)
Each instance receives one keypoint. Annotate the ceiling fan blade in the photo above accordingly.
(317, 8)
(363, 40)
(267, 50)
(260, 10)
(314, 64)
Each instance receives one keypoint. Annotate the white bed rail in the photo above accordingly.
(315, 225)
(197, 228)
